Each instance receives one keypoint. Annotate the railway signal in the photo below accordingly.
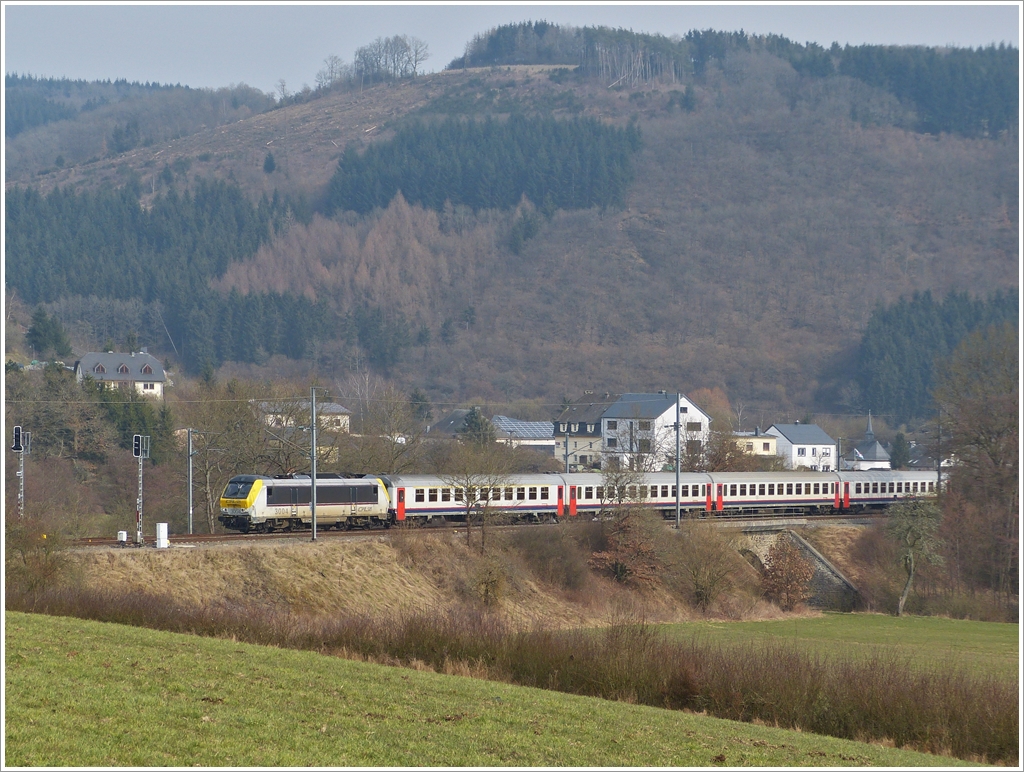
(140, 449)
(22, 445)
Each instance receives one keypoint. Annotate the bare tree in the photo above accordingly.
(479, 474)
(418, 54)
(787, 574)
(707, 561)
(912, 524)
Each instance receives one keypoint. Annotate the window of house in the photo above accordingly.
(533, 494)
(645, 426)
(613, 425)
(693, 447)
(814, 452)
(420, 492)
(645, 446)
(826, 452)
(148, 386)
(683, 410)
(561, 428)
(767, 446)
(590, 428)
(750, 447)
(612, 442)
(574, 428)
(693, 426)
(147, 370)
(99, 369)
(123, 369)
(801, 451)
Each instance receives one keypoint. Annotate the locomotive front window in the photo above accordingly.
(238, 489)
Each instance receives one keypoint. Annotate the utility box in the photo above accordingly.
(161, 536)
(122, 538)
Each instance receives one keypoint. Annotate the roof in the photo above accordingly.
(803, 434)
(303, 406)
(641, 406)
(452, 423)
(523, 430)
(872, 451)
(588, 409)
(112, 363)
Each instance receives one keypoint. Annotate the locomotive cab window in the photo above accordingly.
(238, 489)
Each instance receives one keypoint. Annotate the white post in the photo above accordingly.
(312, 457)
(678, 507)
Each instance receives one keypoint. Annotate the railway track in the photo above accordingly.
(759, 522)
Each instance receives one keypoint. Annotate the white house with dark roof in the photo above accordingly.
(638, 430)
(137, 370)
(331, 416)
(514, 432)
(804, 445)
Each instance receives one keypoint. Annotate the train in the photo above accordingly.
(265, 503)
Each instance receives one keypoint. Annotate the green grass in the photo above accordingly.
(85, 693)
(985, 648)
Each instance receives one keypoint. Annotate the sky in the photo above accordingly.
(207, 45)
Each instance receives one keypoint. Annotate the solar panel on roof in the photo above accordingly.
(527, 430)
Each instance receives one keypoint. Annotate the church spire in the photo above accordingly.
(869, 435)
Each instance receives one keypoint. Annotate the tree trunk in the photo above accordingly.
(908, 563)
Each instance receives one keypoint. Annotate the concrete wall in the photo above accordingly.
(829, 588)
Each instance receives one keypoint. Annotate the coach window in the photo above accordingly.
(743, 489)
(856, 488)
(588, 492)
(892, 487)
(599, 492)
(446, 494)
(874, 487)
(654, 491)
(732, 490)
(459, 494)
(632, 492)
(789, 489)
(510, 494)
(533, 494)
(432, 494)
(931, 487)
(915, 488)
(899, 487)
(419, 494)
(799, 489)
(760, 489)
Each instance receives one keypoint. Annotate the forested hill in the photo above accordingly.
(973, 92)
(731, 220)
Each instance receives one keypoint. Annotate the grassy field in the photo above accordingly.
(985, 648)
(84, 693)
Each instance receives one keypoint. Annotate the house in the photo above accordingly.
(804, 445)
(331, 416)
(577, 434)
(137, 370)
(869, 454)
(756, 443)
(450, 426)
(633, 430)
(535, 434)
